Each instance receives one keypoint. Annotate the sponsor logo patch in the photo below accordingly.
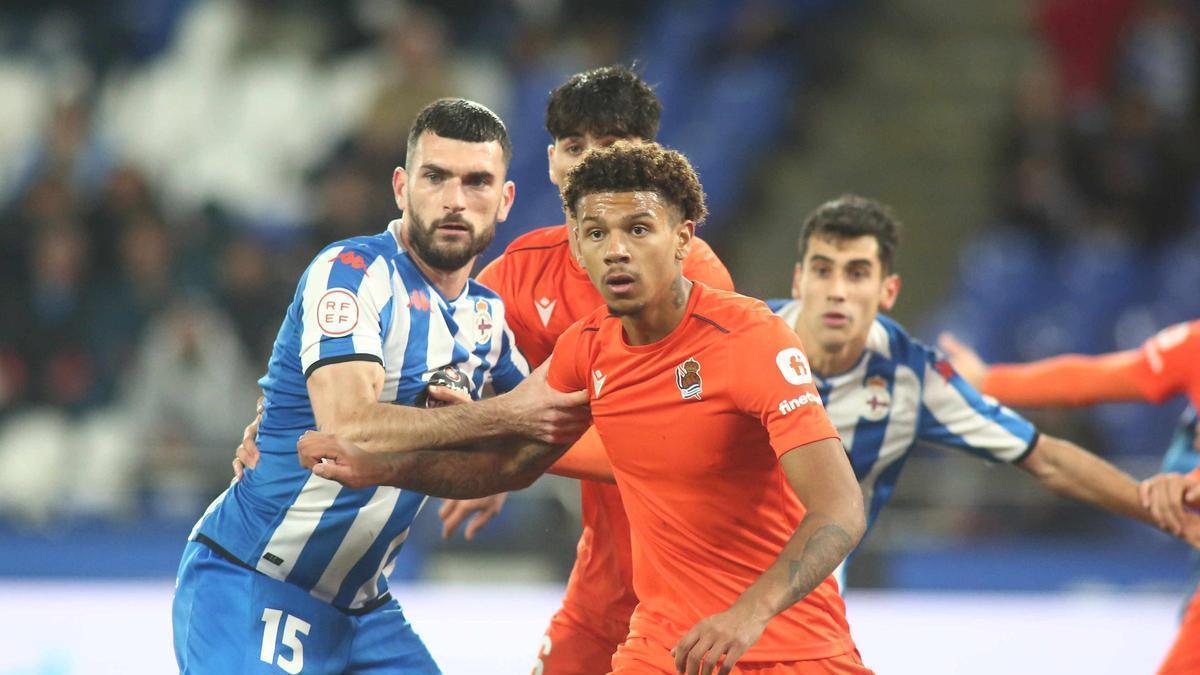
(794, 366)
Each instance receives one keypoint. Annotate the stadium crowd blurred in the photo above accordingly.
(168, 168)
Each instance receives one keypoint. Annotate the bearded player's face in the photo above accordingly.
(453, 193)
(632, 245)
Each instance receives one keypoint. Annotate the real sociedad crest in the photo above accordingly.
(687, 378)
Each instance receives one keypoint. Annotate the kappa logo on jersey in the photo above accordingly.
(876, 399)
(944, 369)
(483, 322)
(337, 312)
(794, 366)
(598, 381)
(788, 405)
(687, 378)
(419, 299)
(545, 308)
(352, 259)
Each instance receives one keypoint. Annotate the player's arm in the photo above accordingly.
(1070, 380)
(1160, 368)
(490, 467)
(585, 460)
(821, 477)
(345, 400)
(1069, 470)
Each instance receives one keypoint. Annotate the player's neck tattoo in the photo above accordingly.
(679, 295)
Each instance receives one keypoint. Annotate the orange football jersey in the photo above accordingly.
(694, 425)
(545, 291)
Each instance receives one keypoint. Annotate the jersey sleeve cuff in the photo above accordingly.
(1037, 436)
(329, 360)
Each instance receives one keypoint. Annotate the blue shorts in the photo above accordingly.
(229, 619)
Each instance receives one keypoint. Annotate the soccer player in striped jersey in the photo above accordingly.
(286, 570)
(1166, 365)
(886, 392)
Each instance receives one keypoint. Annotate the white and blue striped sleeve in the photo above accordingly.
(344, 294)
(953, 414)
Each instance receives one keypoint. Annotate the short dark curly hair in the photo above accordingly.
(851, 216)
(602, 101)
(638, 167)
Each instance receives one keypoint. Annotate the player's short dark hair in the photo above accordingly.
(461, 120)
(849, 217)
(633, 167)
(611, 100)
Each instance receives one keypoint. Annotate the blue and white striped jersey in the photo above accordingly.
(360, 299)
(901, 393)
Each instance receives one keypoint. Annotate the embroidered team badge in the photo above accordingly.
(483, 322)
(687, 378)
(877, 402)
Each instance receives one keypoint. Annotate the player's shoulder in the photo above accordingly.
(732, 312)
(477, 290)
(360, 251)
(1185, 334)
(889, 339)
(539, 241)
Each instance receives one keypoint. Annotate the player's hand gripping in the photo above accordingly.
(544, 414)
(246, 455)
(1170, 498)
(455, 512)
(966, 361)
(340, 460)
(718, 641)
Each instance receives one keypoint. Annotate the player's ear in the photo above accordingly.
(506, 200)
(550, 150)
(400, 186)
(891, 290)
(684, 234)
(796, 274)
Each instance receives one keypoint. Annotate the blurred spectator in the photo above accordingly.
(190, 392)
(255, 304)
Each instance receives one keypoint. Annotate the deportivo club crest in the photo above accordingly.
(483, 322)
(687, 378)
(877, 402)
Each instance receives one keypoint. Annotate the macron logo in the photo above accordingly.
(598, 381)
(545, 307)
(791, 404)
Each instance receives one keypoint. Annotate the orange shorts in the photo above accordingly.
(1184, 657)
(575, 646)
(639, 655)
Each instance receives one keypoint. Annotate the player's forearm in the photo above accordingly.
(1071, 380)
(465, 474)
(388, 428)
(1071, 471)
(819, 545)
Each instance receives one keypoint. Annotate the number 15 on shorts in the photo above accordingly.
(293, 627)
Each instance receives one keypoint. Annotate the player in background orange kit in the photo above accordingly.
(740, 499)
(544, 291)
(1166, 365)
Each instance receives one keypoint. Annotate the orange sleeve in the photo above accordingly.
(1161, 368)
(568, 367)
(774, 383)
(493, 274)
(704, 266)
(586, 460)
